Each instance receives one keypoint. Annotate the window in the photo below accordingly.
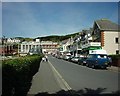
(91, 56)
(117, 51)
(116, 40)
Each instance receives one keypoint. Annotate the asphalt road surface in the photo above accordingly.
(58, 74)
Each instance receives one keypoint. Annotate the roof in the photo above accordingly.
(105, 24)
(65, 41)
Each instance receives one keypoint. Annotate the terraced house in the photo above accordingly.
(108, 34)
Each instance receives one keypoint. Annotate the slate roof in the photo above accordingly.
(105, 24)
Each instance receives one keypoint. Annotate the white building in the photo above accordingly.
(13, 40)
(25, 47)
(65, 45)
(47, 46)
(107, 33)
(87, 42)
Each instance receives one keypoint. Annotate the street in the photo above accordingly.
(58, 74)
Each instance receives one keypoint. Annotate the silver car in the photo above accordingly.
(75, 59)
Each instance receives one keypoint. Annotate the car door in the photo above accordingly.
(90, 60)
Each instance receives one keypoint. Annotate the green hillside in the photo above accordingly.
(24, 39)
(56, 38)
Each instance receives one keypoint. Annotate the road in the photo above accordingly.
(58, 74)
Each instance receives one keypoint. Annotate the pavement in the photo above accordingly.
(44, 80)
(114, 68)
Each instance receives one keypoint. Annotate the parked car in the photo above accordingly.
(66, 57)
(75, 59)
(97, 60)
(59, 56)
(69, 59)
(82, 60)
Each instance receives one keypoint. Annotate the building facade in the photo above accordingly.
(49, 46)
(66, 46)
(8, 48)
(110, 42)
(46, 46)
(13, 40)
(107, 33)
(25, 47)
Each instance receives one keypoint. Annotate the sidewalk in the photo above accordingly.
(114, 68)
(44, 81)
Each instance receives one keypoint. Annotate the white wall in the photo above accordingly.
(109, 42)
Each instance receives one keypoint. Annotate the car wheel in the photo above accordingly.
(82, 64)
(104, 67)
(87, 65)
(93, 66)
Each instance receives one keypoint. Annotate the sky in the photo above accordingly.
(0, 20)
(37, 19)
(60, 0)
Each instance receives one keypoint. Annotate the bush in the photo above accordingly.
(115, 60)
(17, 75)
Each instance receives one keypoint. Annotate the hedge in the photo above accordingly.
(17, 75)
(115, 60)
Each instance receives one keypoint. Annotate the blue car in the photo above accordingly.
(97, 60)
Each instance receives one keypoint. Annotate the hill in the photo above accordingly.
(24, 39)
(56, 38)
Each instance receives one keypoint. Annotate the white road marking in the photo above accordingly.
(63, 84)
